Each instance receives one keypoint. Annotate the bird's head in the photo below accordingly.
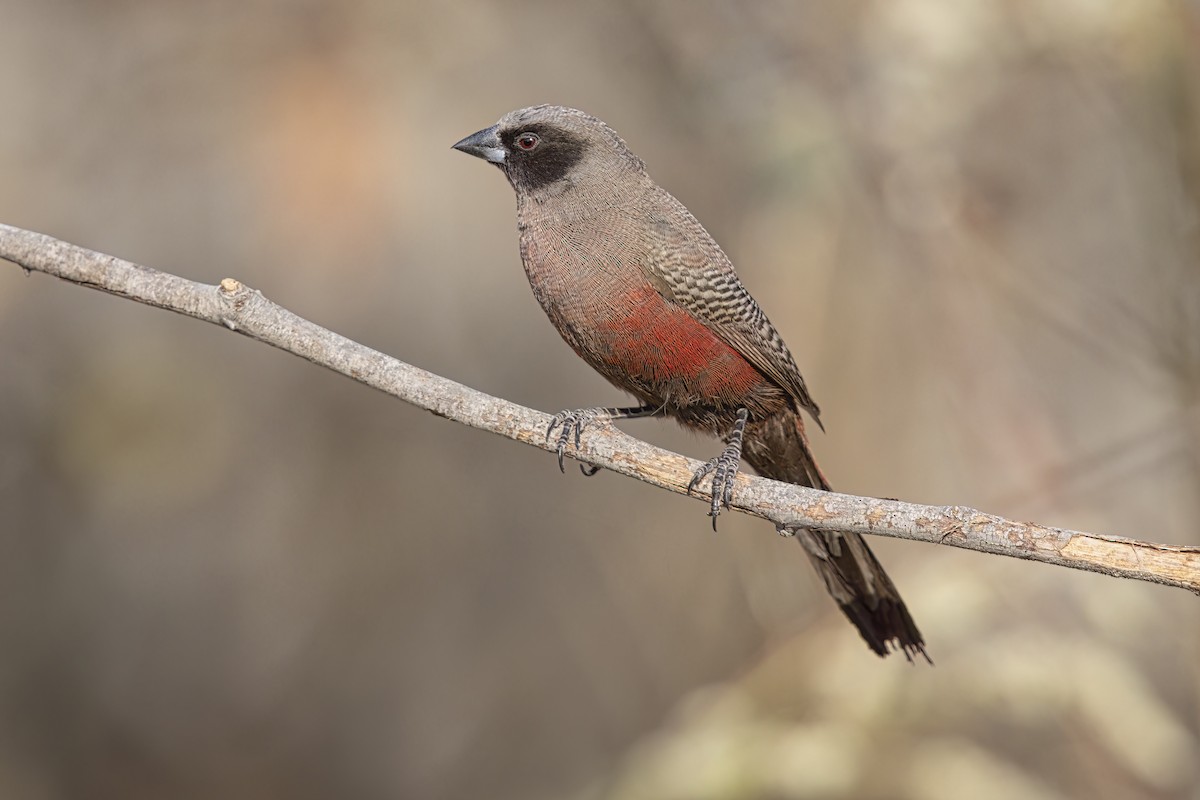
(546, 149)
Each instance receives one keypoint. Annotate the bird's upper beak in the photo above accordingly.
(484, 144)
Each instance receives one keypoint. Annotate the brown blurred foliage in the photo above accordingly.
(226, 573)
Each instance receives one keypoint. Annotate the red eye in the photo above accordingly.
(527, 141)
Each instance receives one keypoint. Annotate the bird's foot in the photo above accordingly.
(571, 425)
(724, 469)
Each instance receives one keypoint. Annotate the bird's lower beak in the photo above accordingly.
(484, 144)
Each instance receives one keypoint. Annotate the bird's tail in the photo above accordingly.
(778, 448)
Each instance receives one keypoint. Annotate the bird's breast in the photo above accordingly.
(593, 287)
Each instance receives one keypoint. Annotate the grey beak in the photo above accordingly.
(484, 144)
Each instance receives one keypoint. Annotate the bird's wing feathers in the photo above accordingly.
(687, 266)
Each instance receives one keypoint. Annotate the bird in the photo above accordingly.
(638, 288)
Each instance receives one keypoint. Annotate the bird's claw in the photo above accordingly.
(724, 469)
(571, 425)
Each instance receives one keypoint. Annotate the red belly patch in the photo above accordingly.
(659, 344)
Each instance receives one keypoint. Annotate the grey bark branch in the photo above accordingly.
(245, 310)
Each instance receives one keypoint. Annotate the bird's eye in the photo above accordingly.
(527, 141)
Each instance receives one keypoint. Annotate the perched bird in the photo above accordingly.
(638, 288)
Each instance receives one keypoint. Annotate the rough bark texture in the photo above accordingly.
(788, 506)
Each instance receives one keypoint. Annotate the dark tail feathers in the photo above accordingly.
(778, 448)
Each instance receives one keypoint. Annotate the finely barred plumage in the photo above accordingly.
(636, 286)
(690, 268)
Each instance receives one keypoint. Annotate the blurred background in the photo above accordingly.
(227, 573)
